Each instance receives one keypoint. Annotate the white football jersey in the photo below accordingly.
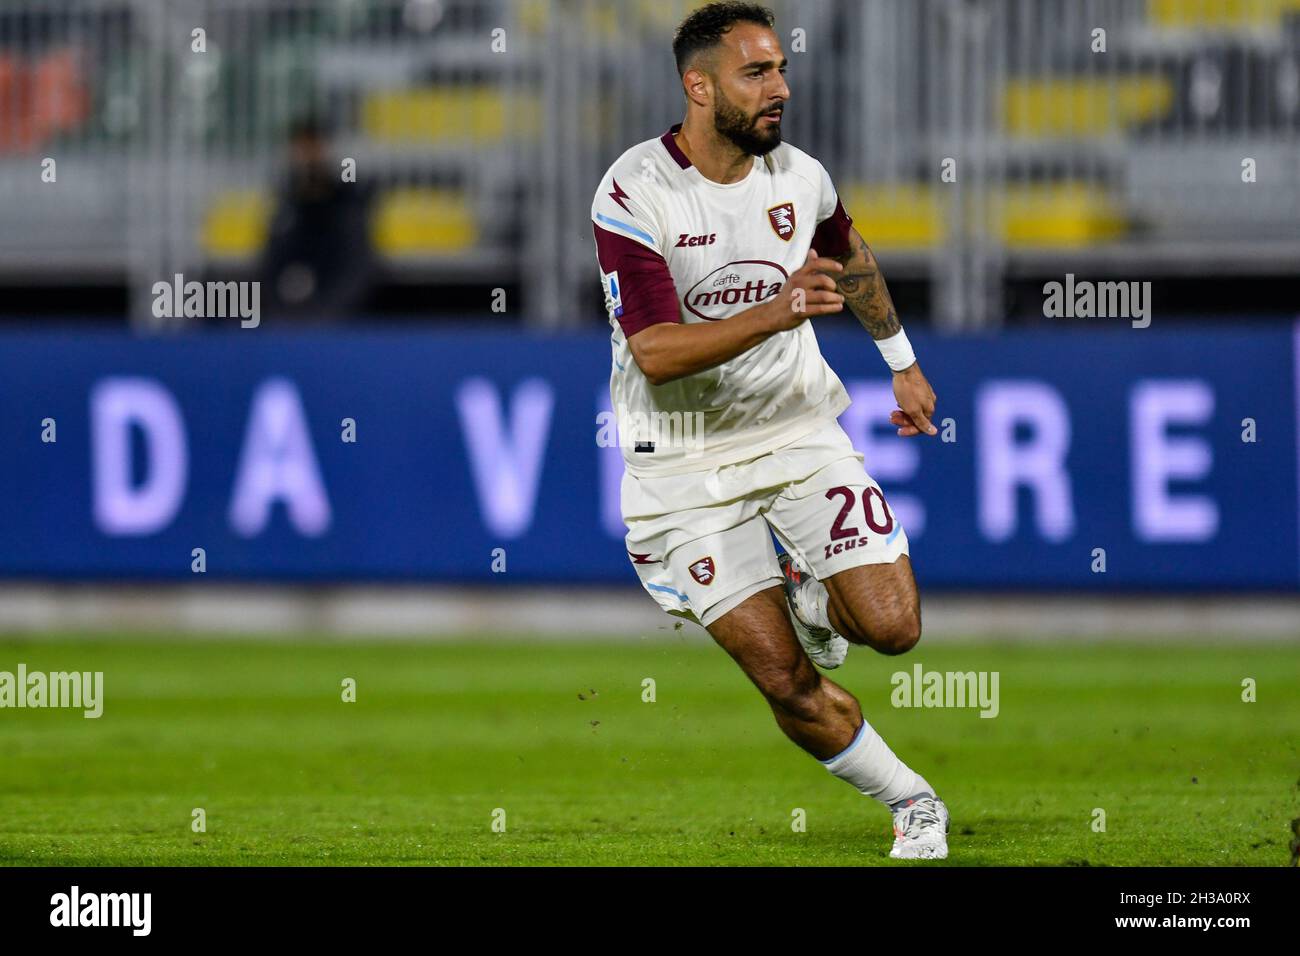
(674, 246)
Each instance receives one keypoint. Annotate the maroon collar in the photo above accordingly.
(674, 150)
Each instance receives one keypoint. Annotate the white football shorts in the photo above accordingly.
(701, 542)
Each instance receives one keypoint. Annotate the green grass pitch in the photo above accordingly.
(557, 735)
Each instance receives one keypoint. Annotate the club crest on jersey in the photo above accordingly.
(782, 220)
(703, 571)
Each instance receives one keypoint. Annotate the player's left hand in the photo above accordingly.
(915, 400)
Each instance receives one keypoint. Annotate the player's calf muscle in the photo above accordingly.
(822, 720)
(796, 694)
(814, 712)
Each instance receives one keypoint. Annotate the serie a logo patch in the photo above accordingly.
(613, 294)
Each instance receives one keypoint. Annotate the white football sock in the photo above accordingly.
(868, 764)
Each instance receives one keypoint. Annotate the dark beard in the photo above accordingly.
(732, 123)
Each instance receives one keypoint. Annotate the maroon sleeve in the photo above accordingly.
(832, 236)
(646, 294)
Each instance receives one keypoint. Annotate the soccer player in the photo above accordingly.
(717, 243)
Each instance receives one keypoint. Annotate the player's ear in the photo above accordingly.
(697, 86)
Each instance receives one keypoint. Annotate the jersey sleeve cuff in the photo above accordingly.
(832, 236)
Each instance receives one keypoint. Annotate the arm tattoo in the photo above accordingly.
(864, 291)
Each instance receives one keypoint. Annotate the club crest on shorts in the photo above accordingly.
(703, 571)
(781, 219)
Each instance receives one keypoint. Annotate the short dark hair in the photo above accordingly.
(704, 28)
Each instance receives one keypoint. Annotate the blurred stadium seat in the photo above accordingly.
(483, 125)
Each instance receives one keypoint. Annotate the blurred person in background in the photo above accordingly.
(318, 265)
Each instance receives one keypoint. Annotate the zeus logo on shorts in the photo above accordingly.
(842, 530)
(703, 571)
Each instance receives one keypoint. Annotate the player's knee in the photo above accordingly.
(898, 633)
(887, 630)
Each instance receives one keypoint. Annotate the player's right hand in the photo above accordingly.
(808, 292)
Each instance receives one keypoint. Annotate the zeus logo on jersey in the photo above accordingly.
(740, 284)
(613, 294)
(685, 239)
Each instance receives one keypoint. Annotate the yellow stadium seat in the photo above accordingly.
(422, 221)
(607, 22)
(1219, 14)
(475, 115)
(1088, 107)
(534, 15)
(236, 224)
(414, 221)
(1065, 214)
(1061, 214)
(895, 216)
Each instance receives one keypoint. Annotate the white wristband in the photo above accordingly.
(897, 351)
